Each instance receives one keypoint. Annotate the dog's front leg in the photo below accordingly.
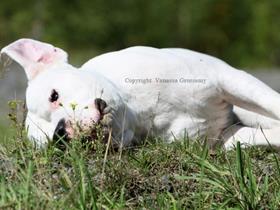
(120, 122)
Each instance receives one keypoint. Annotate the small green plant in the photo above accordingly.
(17, 115)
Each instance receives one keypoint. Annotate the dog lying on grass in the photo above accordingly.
(142, 91)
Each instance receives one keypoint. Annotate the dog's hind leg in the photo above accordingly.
(250, 136)
(246, 91)
(253, 119)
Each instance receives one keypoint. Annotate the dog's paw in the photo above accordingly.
(107, 120)
(106, 110)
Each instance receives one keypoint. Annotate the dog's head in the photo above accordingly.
(61, 99)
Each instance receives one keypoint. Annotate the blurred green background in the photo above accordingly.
(245, 33)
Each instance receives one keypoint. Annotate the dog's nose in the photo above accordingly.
(60, 132)
(100, 104)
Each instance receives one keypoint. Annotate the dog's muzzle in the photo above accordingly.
(66, 130)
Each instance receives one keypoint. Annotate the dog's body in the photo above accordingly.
(169, 93)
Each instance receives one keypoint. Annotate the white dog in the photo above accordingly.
(143, 91)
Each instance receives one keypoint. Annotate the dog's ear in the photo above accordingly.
(33, 56)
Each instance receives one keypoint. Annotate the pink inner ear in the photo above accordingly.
(32, 55)
(45, 59)
(35, 53)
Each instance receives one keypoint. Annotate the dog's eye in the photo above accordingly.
(54, 96)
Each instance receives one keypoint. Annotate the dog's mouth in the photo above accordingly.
(89, 131)
(67, 131)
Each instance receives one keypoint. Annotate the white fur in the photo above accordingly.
(139, 85)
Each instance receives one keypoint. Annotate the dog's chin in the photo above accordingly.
(86, 129)
(93, 133)
(97, 134)
(86, 133)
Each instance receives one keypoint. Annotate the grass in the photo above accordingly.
(181, 175)
(155, 175)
